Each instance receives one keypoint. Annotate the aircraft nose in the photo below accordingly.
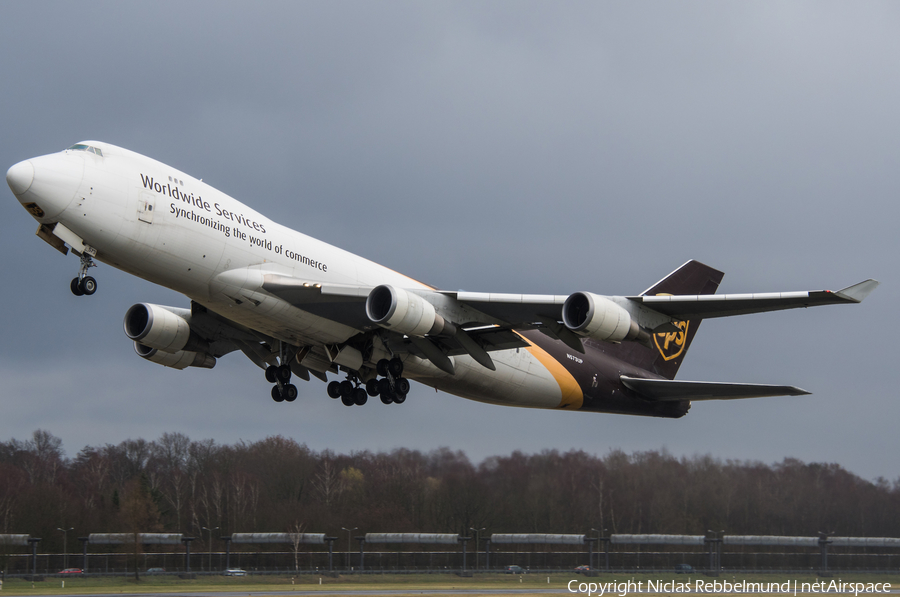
(20, 176)
(46, 185)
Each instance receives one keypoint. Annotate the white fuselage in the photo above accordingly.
(167, 227)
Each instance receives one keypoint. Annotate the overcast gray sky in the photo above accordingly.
(491, 146)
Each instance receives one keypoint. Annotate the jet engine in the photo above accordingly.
(162, 328)
(177, 360)
(599, 318)
(404, 312)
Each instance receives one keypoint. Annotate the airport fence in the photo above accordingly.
(436, 561)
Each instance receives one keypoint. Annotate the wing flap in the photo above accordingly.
(344, 304)
(666, 390)
(519, 311)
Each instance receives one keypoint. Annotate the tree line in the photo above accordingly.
(175, 484)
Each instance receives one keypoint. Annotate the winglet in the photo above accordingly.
(858, 292)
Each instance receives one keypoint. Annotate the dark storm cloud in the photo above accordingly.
(512, 147)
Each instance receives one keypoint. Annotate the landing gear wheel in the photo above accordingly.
(387, 398)
(401, 386)
(88, 285)
(347, 400)
(381, 367)
(334, 389)
(289, 392)
(360, 396)
(384, 386)
(346, 389)
(372, 387)
(276, 394)
(283, 373)
(395, 367)
(75, 287)
(270, 373)
(399, 398)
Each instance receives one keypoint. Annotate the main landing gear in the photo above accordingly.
(280, 375)
(390, 388)
(83, 284)
(348, 391)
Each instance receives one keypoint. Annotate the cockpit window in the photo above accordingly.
(88, 148)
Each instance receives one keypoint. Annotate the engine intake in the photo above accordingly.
(162, 328)
(599, 318)
(177, 360)
(404, 312)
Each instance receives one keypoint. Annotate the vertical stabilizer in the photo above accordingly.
(668, 349)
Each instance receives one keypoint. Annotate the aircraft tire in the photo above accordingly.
(402, 386)
(399, 398)
(334, 389)
(75, 287)
(360, 396)
(347, 400)
(372, 387)
(270, 374)
(386, 398)
(276, 394)
(395, 367)
(283, 373)
(290, 392)
(384, 386)
(346, 389)
(381, 367)
(88, 285)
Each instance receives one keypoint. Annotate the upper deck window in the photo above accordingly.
(83, 147)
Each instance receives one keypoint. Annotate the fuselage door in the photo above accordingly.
(145, 207)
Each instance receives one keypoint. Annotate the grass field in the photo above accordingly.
(394, 584)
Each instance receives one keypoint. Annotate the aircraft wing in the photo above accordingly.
(527, 310)
(523, 312)
(706, 306)
(342, 303)
(666, 390)
(346, 304)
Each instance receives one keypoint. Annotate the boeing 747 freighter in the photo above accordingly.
(298, 307)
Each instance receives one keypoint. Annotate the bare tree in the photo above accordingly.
(296, 535)
(139, 514)
(327, 481)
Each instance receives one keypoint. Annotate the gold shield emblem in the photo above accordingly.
(35, 210)
(671, 344)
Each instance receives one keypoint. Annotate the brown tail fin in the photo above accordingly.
(668, 349)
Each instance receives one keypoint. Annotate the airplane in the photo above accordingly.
(296, 306)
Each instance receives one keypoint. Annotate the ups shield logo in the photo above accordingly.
(34, 209)
(671, 344)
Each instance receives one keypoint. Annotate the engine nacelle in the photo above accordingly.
(177, 360)
(157, 327)
(599, 318)
(404, 312)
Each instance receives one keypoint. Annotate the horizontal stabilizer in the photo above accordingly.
(666, 390)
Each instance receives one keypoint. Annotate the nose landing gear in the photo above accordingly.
(83, 284)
